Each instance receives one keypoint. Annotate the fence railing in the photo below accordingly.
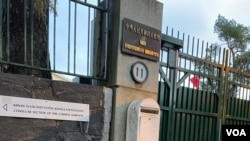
(203, 92)
(63, 36)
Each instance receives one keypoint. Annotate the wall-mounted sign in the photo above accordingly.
(43, 109)
(141, 40)
(139, 72)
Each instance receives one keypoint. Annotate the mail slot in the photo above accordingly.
(143, 120)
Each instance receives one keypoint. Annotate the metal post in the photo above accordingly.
(25, 31)
(32, 33)
(172, 97)
(69, 36)
(172, 62)
(54, 40)
(1, 34)
(8, 31)
(172, 45)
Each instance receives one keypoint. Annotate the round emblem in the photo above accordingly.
(139, 72)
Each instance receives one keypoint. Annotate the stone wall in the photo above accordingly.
(24, 129)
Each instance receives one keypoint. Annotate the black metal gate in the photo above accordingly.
(74, 35)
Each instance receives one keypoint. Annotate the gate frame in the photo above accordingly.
(168, 78)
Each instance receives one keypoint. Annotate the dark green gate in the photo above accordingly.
(199, 90)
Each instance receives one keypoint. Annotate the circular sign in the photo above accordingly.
(139, 72)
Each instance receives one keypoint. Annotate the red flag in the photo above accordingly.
(195, 81)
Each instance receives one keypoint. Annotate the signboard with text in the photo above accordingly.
(141, 40)
(43, 109)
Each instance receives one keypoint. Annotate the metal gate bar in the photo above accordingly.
(29, 40)
(189, 113)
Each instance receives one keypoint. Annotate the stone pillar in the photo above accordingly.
(126, 90)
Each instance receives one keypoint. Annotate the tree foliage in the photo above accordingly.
(236, 36)
(40, 5)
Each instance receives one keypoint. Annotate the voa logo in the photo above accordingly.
(236, 132)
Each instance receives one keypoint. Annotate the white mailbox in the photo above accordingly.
(143, 120)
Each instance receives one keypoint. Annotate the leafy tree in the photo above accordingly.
(34, 35)
(236, 36)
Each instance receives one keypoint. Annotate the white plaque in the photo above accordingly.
(139, 72)
(43, 109)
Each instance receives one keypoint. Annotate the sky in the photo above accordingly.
(197, 17)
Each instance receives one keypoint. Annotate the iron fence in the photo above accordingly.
(63, 36)
(203, 92)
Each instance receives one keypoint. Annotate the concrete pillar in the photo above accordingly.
(126, 90)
